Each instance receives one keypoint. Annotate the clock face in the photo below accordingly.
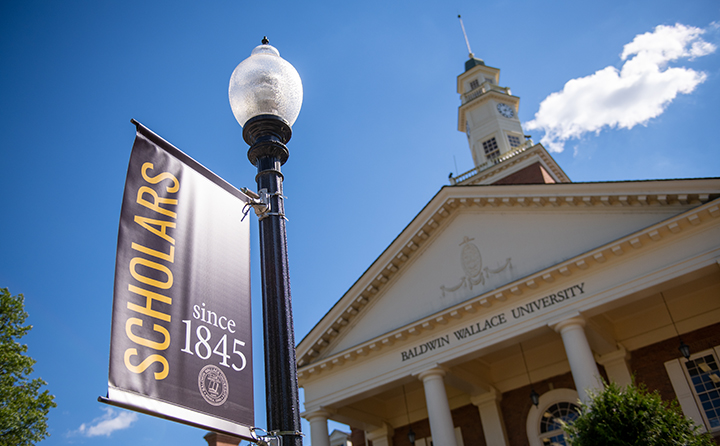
(506, 110)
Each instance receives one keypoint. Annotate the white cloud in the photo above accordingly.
(638, 92)
(105, 425)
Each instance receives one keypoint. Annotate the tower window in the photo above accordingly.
(474, 84)
(491, 149)
(490, 79)
(514, 141)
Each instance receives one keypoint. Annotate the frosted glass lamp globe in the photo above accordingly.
(265, 84)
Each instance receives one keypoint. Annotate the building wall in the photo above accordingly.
(532, 174)
(357, 436)
(647, 363)
(468, 418)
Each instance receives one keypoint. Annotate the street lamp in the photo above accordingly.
(265, 96)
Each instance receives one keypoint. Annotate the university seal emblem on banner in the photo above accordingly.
(213, 385)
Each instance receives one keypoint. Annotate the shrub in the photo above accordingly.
(632, 416)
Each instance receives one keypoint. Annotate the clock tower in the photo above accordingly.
(488, 113)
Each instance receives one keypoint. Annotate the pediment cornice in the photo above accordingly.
(547, 197)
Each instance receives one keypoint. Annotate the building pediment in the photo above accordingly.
(485, 244)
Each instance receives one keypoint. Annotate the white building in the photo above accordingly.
(514, 280)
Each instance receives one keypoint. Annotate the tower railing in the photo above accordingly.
(491, 162)
(482, 89)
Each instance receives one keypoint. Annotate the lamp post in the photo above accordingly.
(265, 96)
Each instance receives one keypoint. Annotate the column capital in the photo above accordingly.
(493, 396)
(316, 413)
(573, 321)
(618, 355)
(436, 370)
(616, 366)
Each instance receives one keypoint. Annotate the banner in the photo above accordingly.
(181, 324)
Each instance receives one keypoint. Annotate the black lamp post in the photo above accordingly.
(266, 95)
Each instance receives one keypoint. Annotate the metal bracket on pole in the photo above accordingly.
(264, 440)
(259, 202)
(273, 438)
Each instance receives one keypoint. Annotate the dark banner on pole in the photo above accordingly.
(181, 325)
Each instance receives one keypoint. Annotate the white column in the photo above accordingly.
(582, 362)
(441, 424)
(318, 427)
(616, 366)
(488, 405)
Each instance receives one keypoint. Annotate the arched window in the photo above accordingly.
(543, 422)
(551, 433)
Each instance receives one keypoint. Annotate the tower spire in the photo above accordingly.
(467, 42)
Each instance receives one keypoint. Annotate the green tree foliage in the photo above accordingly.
(23, 409)
(632, 416)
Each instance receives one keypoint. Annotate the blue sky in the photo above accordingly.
(375, 139)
